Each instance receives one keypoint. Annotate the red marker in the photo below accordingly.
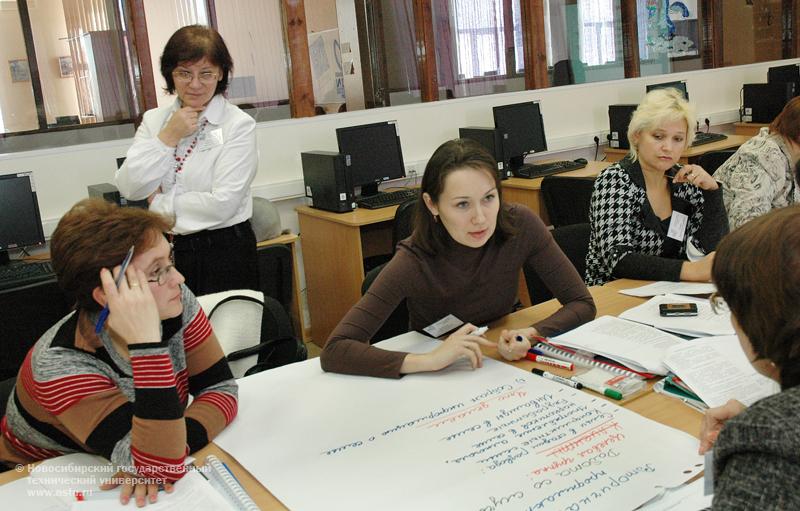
(548, 361)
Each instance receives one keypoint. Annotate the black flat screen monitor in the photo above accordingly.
(20, 221)
(373, 152)
(681, 86)
(785, 74)
(522, 129)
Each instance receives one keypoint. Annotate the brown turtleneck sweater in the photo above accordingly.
(477, 285)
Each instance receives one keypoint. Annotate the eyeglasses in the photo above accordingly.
(185, 77)
(718, 304)
(160, 277)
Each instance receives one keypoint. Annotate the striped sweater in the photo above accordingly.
(70, 397)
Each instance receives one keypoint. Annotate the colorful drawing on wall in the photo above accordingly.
(20, 72)
(672, 28)
(65, 69)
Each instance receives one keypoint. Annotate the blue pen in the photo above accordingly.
(101, 319)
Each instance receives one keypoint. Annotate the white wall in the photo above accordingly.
(573, 116)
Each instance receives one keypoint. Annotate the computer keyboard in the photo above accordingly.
(386, 199)
(701, 138)
(21, 274)
(532, 171)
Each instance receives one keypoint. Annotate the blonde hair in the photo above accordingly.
(661, 106)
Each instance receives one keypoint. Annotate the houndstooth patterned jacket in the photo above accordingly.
(628, 240)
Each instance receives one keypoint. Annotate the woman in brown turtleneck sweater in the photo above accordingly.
(464, 259)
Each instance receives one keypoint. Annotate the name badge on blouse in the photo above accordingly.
(677, 226)
(443, 326)
(211, 139)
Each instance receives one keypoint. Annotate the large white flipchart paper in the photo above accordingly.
(494, 439)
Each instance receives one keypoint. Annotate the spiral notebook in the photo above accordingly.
(222, 480)
(564, 353)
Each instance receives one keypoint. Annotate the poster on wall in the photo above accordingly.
(326, 67)
(65, 69)
(20, 72)
(673, 28)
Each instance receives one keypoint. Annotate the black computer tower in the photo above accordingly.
(762, 102)
(328, 182)
(492, 140)
(110, 193)
(619, 116)
(105, 191)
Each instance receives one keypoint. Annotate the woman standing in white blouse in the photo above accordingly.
(195, 160)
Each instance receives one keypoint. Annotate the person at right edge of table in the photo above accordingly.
(763, 173)
(651, 218)
(757, 448)
(463, 258)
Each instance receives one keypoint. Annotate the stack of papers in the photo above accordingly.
(634, 345)
(665, 287)
(716, 369)
(705, 323)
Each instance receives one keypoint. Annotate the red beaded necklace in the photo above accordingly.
(180, 160)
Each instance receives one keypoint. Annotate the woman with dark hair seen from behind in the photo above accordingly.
(757, 449)
(463, 258)
(120, 388)
(651, 218)
(762, 174)
(195, 160)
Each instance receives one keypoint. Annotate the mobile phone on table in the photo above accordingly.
(678, 309)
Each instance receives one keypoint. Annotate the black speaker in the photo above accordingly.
(762, 102)
(619, 117)
(492, 140)
(328, 181)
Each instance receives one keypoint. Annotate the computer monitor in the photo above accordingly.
(372, 153)
(20, 221)
(522, 130)
(785, 74)
(680, 85)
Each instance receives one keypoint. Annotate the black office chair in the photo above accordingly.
(567, 199)
(402, 226)
(713, 160)
(29, 311)
(275, 274)
(562, 73)
(403, 221)
(6, 386)
(397, 322)
(574, 242)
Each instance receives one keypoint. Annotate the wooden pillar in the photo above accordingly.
(534, 44)
(425, 47)
(712, 33)
(33, 66)
(301, 87)
(630, 39)
(141, 44)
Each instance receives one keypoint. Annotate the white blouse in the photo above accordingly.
(212, 189)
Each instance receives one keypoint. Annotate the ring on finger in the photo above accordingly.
(134, 284)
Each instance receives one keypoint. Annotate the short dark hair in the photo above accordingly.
(95, 234)
(455, 155)
(190, 44)
(757, 272)
(787, 123)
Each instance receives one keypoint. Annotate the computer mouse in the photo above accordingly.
(581, 160)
